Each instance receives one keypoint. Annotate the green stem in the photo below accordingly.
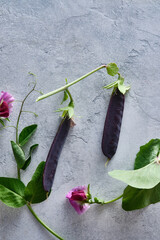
(36, 115)
(18, 170)
(17, 124)
(69, 84)
(71, 99)
(113, 200)
(107, 162)
(7, 127)
(42, 223)
(18, 173)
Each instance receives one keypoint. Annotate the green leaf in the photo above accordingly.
(122, 88)
(12, 192)
(70, 112)
(26, 134)
(62, 109)
(2, 122)
(34, 192)
(146, 177)
(114, 84)
(68, 109)
(134, 198)
(147, 153)
(18, 154)
(112, 69)
(28, 161)
(120, 84)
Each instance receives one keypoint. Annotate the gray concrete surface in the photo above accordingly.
(65, 39)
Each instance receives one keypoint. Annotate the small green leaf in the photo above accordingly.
(2, 122)
(70, 112)
(71, 104)
(122, 88)
(26, 133)
(18, 154)
(12, 192)
(146, 177)
(28, 161)
(64, 114)
(34, 192)
(89, 196)
(114, 84)
(96, 200)
(68, 109)
(120, 84)
(62, 109)
(112, 69)
(65, 97)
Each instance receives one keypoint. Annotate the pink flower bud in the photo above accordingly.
(6, 105)
(4, 110)
(77, 198)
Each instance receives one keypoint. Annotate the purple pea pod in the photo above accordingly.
(58, 142)
(54, 153)
(112, 125)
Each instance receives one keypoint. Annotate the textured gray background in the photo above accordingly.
(56, 39)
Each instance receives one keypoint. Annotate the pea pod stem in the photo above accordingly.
(70, 84)
(71, 99)
(42, 223)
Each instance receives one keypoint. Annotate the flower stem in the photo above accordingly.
(20, 112)
(102, 202)
(69, 84)
(42, 223)
(113, 200)
(17, 124)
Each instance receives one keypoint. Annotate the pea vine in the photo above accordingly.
(143, 182)
(13, 191)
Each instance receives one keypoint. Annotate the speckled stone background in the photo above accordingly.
(58, 39)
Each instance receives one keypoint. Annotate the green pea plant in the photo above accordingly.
(13, 191)
(144, 181)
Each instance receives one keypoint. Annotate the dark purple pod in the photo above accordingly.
(54, 153)
(112, 125)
